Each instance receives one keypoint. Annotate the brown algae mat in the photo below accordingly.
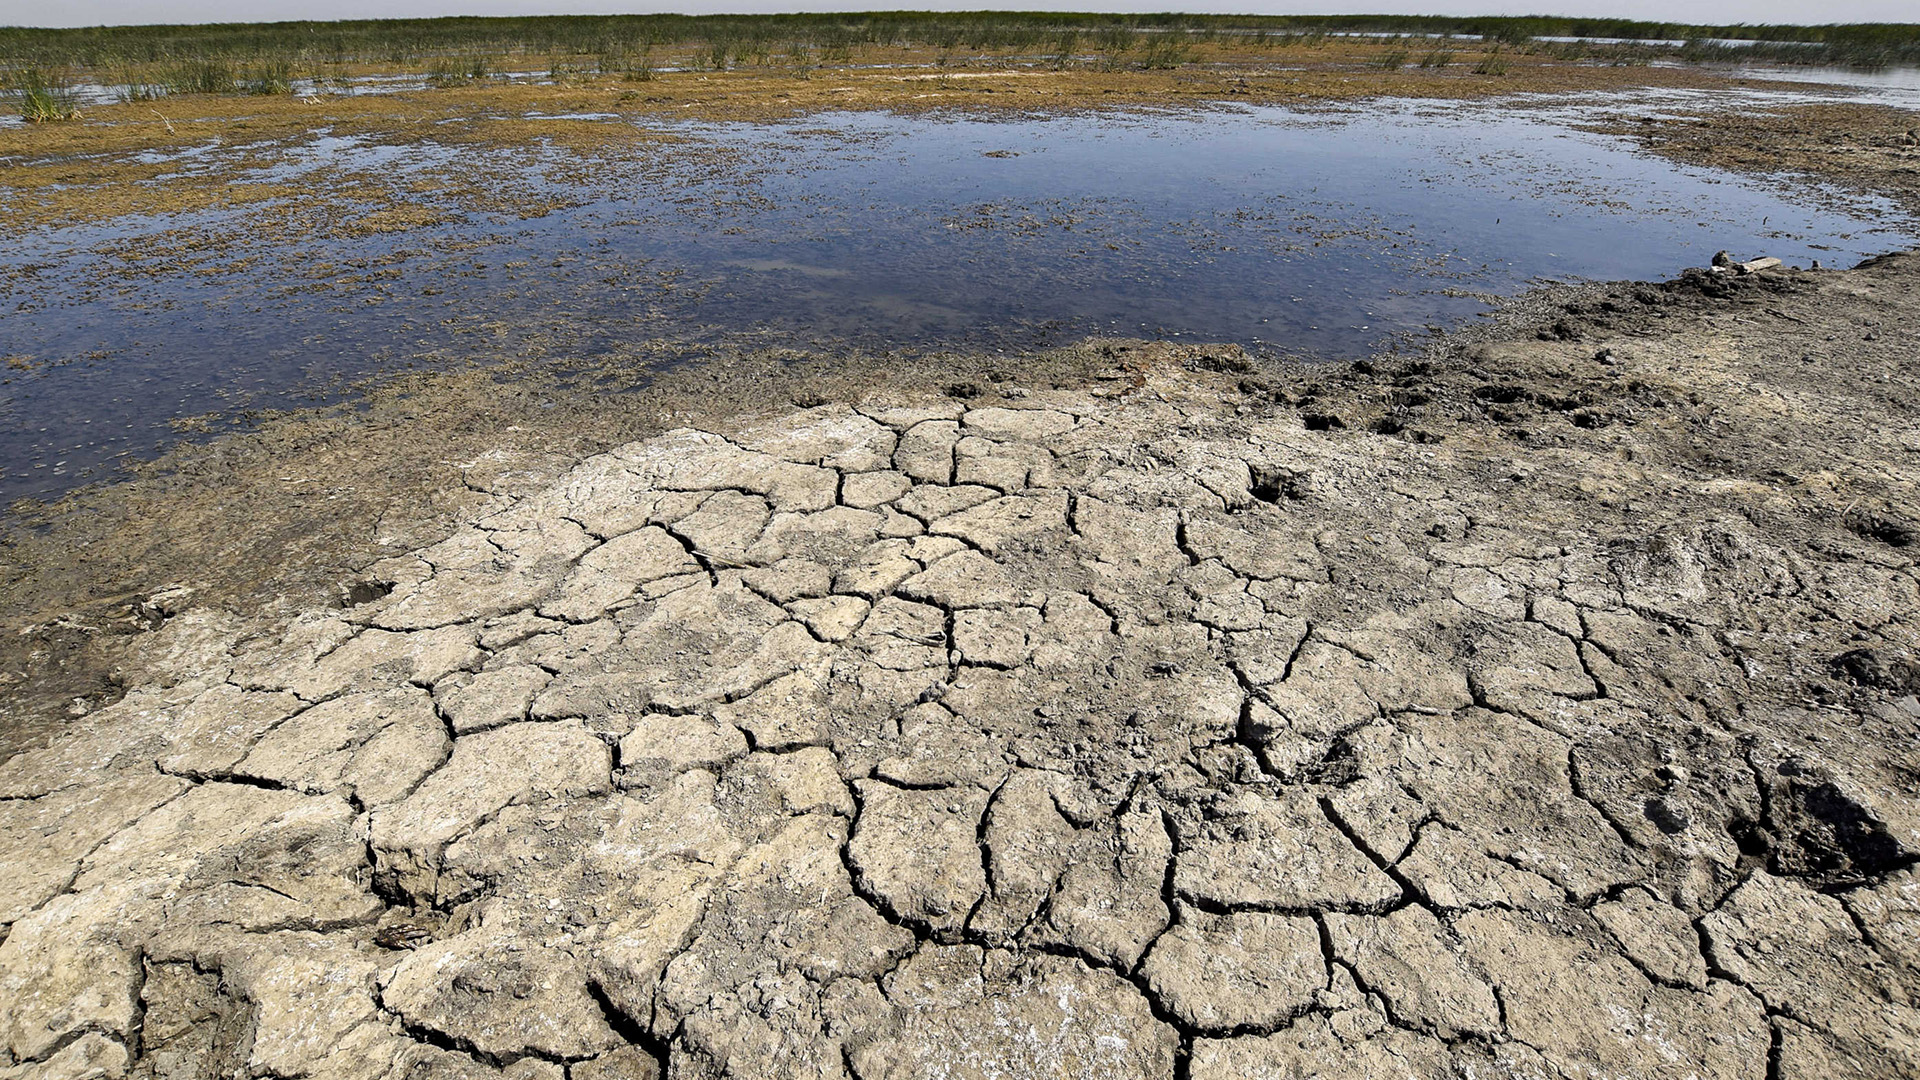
(123, 158)
(1541, 705)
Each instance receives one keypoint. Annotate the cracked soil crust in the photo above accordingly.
(1540, 708)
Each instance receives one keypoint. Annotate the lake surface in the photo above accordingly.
(1307, 233)
(1901, 82)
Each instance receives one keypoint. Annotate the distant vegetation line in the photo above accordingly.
(37, 66)
(391, 40)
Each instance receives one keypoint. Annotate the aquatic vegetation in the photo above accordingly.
(272, 77)
(1392, 60)
(414, 40)
(624, 62)
(1491, 64)
(39, 106)
(1116, 39)
(41, 97)
(201, 77)
(454, 70)
(136, 90)
(1165, 51)
(239, 57)
(1063, 48)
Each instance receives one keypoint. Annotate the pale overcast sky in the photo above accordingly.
(127, 12)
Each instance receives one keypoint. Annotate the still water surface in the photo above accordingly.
(1319, 233)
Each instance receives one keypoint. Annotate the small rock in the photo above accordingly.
(402, 935)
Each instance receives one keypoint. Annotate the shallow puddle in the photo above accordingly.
(1321, 233)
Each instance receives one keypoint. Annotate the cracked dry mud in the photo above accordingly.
(1558, 723)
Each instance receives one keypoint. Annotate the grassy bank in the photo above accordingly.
(182, 57)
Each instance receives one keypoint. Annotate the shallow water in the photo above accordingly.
(1902, 80)
(1318, 233)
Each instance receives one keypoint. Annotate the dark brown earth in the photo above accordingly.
(1862, 149)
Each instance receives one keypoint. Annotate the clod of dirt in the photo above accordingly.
(1886, 528)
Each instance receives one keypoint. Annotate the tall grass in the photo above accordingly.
(200, 77)
(41, 97)
(455, 70)
(270, 77)
(1165, 50)
(135, 86)
(1494, 63)
(1116, 38)
(1063, 48)
(232, 57)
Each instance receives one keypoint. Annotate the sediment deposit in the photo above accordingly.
(1543, 707)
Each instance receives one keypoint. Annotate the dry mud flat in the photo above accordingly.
(1546, 710)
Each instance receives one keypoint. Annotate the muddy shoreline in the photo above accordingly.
(1182, 716)
(285, 517)
(123, 162)
(1856, 149)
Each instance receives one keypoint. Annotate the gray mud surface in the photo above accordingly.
(1540, 704)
